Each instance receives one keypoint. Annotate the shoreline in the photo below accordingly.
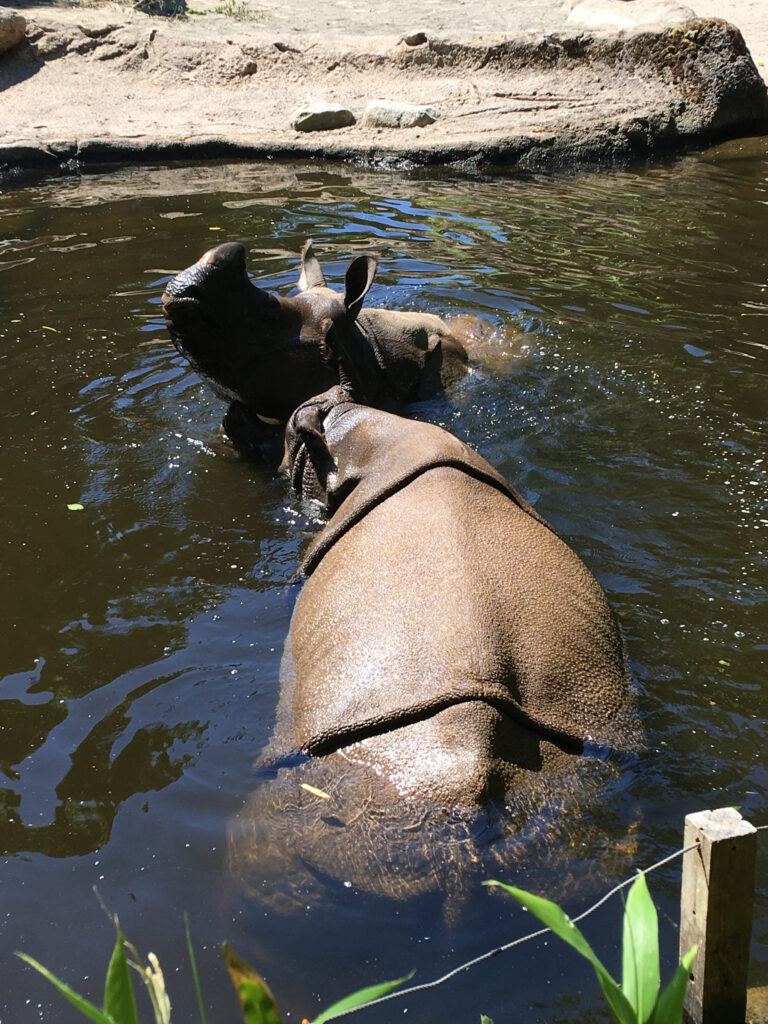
(108, 85)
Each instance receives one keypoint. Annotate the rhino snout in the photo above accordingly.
(230, 255)
(216, 270)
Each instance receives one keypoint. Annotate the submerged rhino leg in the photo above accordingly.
(359, 818)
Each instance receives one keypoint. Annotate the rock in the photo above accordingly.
(626, 14)
(12, 29)
(388, 114)
(163, 8)
(414, 39)
(99, 31)
(321, 117)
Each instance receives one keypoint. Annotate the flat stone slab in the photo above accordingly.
(95, 85)
(389, 114)
(321, 117)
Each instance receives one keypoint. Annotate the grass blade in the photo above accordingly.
(86, 1008)
(558, 921)
(256, 1001)
(669, 1008)
(119, 1001)
(640, 977)
(152, 976)
(195, 975)
(359, 998)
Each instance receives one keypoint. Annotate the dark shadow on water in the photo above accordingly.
(96, 785)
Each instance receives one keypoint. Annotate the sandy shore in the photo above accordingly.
(536, 84)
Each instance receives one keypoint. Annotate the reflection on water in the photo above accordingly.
(623, 392)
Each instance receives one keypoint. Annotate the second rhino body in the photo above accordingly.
(266, 354)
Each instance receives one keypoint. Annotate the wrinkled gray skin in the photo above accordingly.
(449, 656)
(266, 354)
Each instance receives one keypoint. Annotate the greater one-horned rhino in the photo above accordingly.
(267, 354)
(448, 654)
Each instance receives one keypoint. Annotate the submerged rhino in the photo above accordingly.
(449, 661)
(267, 354)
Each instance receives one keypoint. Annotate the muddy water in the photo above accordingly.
(624, 393)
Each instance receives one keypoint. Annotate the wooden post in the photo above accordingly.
(716, 914)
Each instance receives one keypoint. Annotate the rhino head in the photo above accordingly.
(265, 352)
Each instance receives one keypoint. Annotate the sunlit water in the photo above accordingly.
(624, 393)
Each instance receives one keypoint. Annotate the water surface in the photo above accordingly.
(624, 394)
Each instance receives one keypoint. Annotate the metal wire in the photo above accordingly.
(517, 942)
(525, 938)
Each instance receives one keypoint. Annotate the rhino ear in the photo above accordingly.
(358, 280)
(307, 425)
(311, 273)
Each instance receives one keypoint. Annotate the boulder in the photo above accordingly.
(321, 117)
(12, 29)
(626, 14)
(163, 8)
(388, 114)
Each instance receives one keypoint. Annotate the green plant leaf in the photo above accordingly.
(86, 1008)
(256, 1001)
(195, 975)
(119, 1001)
(558, 921)
(669, 1008)
(640, 950)
(363, 995)
(485, 1020)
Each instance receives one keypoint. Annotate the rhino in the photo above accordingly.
(449, 662)
(265, 354)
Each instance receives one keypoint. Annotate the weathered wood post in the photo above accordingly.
(716, 913)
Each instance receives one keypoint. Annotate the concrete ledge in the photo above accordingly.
(113, 93)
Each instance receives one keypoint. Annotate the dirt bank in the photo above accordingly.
(532, 88)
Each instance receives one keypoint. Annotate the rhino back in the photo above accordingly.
(449, 592)
(417, 352)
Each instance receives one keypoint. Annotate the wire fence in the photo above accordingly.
(424, 986)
